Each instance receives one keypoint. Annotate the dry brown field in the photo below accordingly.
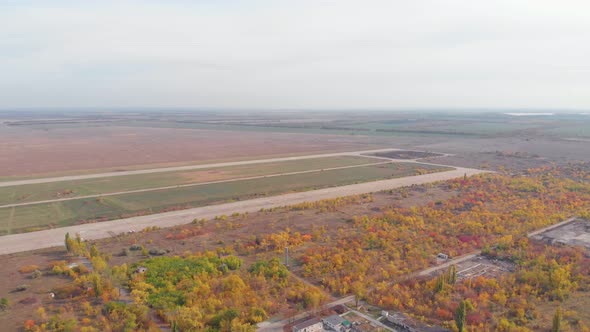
(30, 151)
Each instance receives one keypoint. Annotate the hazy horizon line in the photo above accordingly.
(260, 109)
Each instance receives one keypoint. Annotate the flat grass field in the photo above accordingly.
(59, 214)
(65, 189)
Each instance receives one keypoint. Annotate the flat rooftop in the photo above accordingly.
(575, 233)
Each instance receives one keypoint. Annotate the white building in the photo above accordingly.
(311, 325)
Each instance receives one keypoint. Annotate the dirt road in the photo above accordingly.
(55, 237)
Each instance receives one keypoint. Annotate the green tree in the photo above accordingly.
(68, 242)
(233, 262)
(93, 251)
(556, 321)
(36, 274)
(452, 278)
(96, 282)
(440, 284)
(461, 314)
(257, 315)
(59, 323)
(74, 246)
(359, 290)
(224, 318)
(312, 299)
(4, 304)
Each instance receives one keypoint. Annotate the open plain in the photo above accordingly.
(35, 204)
(34, 151)
(294, 166)
(33, 190)
(364, 206)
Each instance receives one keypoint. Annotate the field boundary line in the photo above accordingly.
(191, 167)
(195, 184)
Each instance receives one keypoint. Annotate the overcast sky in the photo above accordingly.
(295, 54)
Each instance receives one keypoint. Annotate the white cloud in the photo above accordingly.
(290, 54)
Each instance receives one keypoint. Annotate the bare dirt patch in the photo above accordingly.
(23, 304)
(205, 176)
(407, 154)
